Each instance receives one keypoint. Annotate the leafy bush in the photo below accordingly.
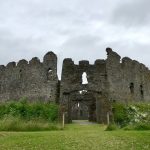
(112, 127)
(137, 126)
(142, 126)
(132, 116)
(120, 114)
(29, 111)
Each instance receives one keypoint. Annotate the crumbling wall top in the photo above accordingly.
(2, 67)
(34, 61)
(50, 56)
(99, 61)
(11, 65)
(68, 61)
(83, 63)
(111, 55)
(22, 63)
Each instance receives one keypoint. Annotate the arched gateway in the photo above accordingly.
(82, 106)
(86, 105)
(83, 91)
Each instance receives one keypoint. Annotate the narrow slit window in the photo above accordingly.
(132, 88)
(141, 91)
(78, 104)
(20, 73)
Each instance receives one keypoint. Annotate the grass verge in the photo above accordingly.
(11, 123)
(76, 137)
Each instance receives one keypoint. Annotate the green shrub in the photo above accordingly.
(111, 127)
(29, 111)
(120, 114)
(142, 126)
(132, 116)
(138, 126)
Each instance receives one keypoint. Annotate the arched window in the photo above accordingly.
(84, 78)
(49, 73)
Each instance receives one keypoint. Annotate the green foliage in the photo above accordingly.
(112, 127)
(29, 111)
(11, 123)
(138, 126)
(132, 116)
(142, 126)
(120, 114)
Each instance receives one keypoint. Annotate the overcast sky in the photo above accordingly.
(80, 29)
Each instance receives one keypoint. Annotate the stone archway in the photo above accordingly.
(82, 105)
(97, 103)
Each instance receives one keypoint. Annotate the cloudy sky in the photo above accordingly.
(80, 29)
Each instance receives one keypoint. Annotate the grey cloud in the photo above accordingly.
(132, 13)
(13, 48)
(134, 50)
(80, 29)
(82, 47)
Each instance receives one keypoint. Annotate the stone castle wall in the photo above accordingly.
(34, 80)
(128, 80)
(115, 78)
(120, 79)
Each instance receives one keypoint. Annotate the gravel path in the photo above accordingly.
(83, 122)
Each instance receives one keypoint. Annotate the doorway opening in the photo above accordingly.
(80, 111)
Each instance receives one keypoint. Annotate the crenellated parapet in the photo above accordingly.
(34, 80)
(22, 63)
(93, 86)
(122, 79)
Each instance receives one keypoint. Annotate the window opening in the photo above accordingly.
(78, 104)
(49, 73)
(141, 91)
(20, 73)
(132, 88)
(84, 78)
(83, 91)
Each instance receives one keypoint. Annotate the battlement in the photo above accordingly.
(34, 79)
(38, 80)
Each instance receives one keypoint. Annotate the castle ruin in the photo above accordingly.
(113, 79)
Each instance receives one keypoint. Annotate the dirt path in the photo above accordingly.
(83, 122)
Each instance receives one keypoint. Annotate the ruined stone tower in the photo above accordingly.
(113, 79)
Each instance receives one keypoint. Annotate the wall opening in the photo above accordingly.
(141, 91)
(78, 104)
(84, 78)
(49, 73)
(132, 88)
(79, 111)
(83, 92)
(20, 73)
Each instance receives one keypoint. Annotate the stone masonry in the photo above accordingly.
(33, 80)
(110, 80)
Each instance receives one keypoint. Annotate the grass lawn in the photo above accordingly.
(76, 137)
